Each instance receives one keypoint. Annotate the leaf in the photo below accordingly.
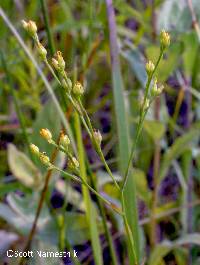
(193, 238)
(155, 129)
(23, 168)
(177, 148)
(20, 214)
(122, 133)
(174, 15)
(141, 185)
(91, 212)
(159, 252)
(190, 51)
(137, 64)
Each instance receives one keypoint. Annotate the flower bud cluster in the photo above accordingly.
(156, 91)
(58, 62)
(31, 28)
(97, 137)
(164, 39)
(41, 155)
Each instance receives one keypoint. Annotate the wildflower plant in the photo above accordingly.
(74, 91)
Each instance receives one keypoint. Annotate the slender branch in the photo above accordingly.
(142, 117)
(82, 181)
(47, 26)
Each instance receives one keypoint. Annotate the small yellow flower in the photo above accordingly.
(78, 89)
(164, 39)
(44, 159)
(64, 140)
(98, 137)
(30, 27)
(34, 149)
(73, 163)
(46, 134)
(42, 51)
(67, 84)
(58, 62)
(156, 91)
(150, 67)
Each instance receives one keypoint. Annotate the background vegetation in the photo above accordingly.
(166, 166)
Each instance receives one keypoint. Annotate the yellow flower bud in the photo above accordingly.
(64, 140)
(58, 62)
(55, 64)
(30, 27)
(58, 56)
(34, 149)
(156, 91)
(98, 137)
(42, 51)
(46, 134)
(44, 159)
(73, 163)
(67, 85)
(164, 39)
(150, 67)
(78, 89)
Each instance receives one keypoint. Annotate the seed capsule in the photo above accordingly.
(73, 163)
(42, 51)
(78, 89)
(30, 27)
(64, 140)
(150, 67)
(46, 134)
(98, 137)
(164, 39)
(44, 159)
(34, 149)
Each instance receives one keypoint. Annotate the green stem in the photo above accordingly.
(47, 26)
(142, 117)
(97, 147)
(82, 181)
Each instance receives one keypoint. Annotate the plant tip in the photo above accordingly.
(97, 137)
(164, 39)
(150, 67)
(30, 27)
(78, 89)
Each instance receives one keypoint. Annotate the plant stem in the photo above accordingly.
(156, 166)
(82, 181)
(98, 148)
(140, 125)
(47, 26)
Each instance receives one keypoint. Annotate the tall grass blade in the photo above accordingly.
(90, 212)
(122, 130)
